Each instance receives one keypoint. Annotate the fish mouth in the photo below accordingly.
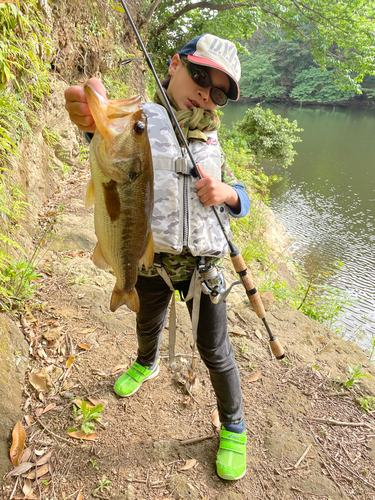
(193, 104)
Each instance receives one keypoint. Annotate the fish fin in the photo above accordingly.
(99, 259)
(98, 107)
(90, 194)
(119, 297)
(148, 256)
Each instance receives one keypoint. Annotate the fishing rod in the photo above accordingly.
(237, 260)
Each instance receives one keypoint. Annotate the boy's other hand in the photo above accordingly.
(211, 192)
(77, 107)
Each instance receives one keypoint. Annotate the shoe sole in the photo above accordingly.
(232, 478)
(153, 375)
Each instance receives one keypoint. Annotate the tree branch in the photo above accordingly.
(151, 10)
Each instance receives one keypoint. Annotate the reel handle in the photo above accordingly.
(254, 297)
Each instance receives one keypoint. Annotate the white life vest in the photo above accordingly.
(179, 218)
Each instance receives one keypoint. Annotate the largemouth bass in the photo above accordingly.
(122, 189)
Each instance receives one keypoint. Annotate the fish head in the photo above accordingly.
(120, 138)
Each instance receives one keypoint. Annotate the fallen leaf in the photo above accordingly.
(88, 330)
(189, 464)
(95, 401)
(49, 407)
(78, 403)
(18, 444)
(25, 455)
(20, 469)
(258, 334)
(84, 346)
(70, 361)
(79, 497)
(82, 435)
(39, 411)
(26, 488)
(40, 472)
(44, 459)
(39, 453)
(216, 419)
(37, 382)
(255, 376)
(29, 420)
(119, 367)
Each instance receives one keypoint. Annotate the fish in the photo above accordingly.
(121, 189)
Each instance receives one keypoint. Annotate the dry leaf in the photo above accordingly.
(18, 444)
(78, 403)
(95, 401)
(41, 471)
(258, 334)
(29, 420)
(119, 367)
(216, 419)
(26, 488)
(189, 464)
(20, 469)
(37, 382)
(84, 346)
(82, 435)
(25, 455)
(44, 459)
(39, 453)
(255, 376)
(88, 330)
(39, 411)
(70, 361)
(79, 496)
(49, 407)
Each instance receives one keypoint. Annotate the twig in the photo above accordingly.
(339, 463)
(198, 439)
(192, 422)
(190, 394)
(53, 434)
(277, 401)
(337, 422)
(302, 456)
(307, 493)
(14, 489)
(66, 498)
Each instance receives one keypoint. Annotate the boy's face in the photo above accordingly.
(186, 93)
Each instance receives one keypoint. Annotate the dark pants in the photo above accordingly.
(212, 342)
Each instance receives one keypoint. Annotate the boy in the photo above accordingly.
(201, 77)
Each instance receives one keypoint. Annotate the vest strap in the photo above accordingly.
(180, 166)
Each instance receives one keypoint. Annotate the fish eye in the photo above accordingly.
(139, 127)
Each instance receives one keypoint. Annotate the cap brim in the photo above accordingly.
(234, 89)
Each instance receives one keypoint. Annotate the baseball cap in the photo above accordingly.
(214, 52)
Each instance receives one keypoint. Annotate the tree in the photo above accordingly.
(340, 34)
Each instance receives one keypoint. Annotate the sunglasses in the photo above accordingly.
(202, 78)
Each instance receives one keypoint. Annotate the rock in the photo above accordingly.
(181, 488)
(52, 334)
(165, 450)
(229, 495)
(13, 365)
(268, 300)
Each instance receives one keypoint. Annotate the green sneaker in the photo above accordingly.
(231, 457)
(133, 378)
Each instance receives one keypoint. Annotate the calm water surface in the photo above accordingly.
(326, 201)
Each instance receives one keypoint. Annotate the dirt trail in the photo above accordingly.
(139, 448)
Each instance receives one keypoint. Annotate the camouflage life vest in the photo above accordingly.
(179, 218)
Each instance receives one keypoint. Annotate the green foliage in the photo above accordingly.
(103, 485)
(93, 464)
(17, 278)
(354, 375)
(269, 136)
(88, 417)
(314, 84)
(259, 79)
(367, 403)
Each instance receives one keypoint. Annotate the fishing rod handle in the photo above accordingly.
(252, 293)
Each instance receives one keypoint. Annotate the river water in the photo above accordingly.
(326, 201)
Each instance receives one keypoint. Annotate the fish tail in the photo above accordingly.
(120, 297)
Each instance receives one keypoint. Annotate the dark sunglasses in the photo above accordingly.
(202, 78)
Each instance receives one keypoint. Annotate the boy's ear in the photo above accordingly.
(173, 65)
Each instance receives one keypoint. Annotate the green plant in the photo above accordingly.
(103, 484)
(355, 374)
(93, 464)
(88, 417)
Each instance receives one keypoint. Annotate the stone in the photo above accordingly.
(13, 365)
(182, 489)
(165, 450)
(52, 334)
(268, 300)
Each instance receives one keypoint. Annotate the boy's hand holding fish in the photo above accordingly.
(77, 107)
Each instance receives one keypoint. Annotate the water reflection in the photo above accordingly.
(326, 200)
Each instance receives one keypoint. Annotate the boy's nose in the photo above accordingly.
(204, 93)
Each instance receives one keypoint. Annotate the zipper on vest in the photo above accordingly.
(185, 230)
